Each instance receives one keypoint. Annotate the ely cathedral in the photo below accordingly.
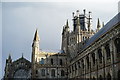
(84, 54)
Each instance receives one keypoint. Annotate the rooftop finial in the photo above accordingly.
(67, 23)
(98, 24)
(73, 14)
(77, 13)
(89, 21)
(84, 11)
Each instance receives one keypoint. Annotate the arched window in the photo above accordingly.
(118, 75)
(53, 73)
(100, 55)
(108, 77)
(117, 45)
(93, 78)
(62, 73)
(82, 62)
(75, 66)
(51, 61)
(87, 59)
(107, 49)
(43, 72)
(79, 64)
(36, 71)
(93, 58)
(100, 77)
(61, 63)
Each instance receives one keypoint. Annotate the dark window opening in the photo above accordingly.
(108, 77)
(61, 63)
(93, 58)
(107, 48)
(117, 45)
(118, 75)
(43, 72)
(100, 78)
(87, 59)
(100, 55)
(52, 61)
(53, 73)
(93, 78)
(82, 63)
(62, 73)
(36, 71)
(79, 64)
(75, 66)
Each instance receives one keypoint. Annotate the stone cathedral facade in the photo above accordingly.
(84, 54)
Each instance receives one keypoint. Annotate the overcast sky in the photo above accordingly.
(20, 20)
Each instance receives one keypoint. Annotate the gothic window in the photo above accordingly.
(62, 73)
(93, 78)
(43, 72)
(100, 55)
(107, 48)
(87, 59)
(100, 77)
(75, 66)
(117, 45)
(82, 62)
(70, 69)
(21, 73)
(61, 63)
(36, 71)
(79, 64)
(108, 77)
(52, 61)
(53, 73)
(93, 58)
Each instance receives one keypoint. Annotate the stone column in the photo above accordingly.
(103, 59)
(96, 63)
(113, 58)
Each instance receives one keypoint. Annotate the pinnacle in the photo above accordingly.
(36, 37)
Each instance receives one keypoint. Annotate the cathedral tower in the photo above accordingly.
(35, 51)
(7, 67)
(65, 35)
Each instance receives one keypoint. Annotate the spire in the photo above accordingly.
(63, 30)
(22, 55)
(98, 24)
(36, 37)
(67, 26)
(67, 23)
(103, 24)
(9, 56)
(89, 21)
